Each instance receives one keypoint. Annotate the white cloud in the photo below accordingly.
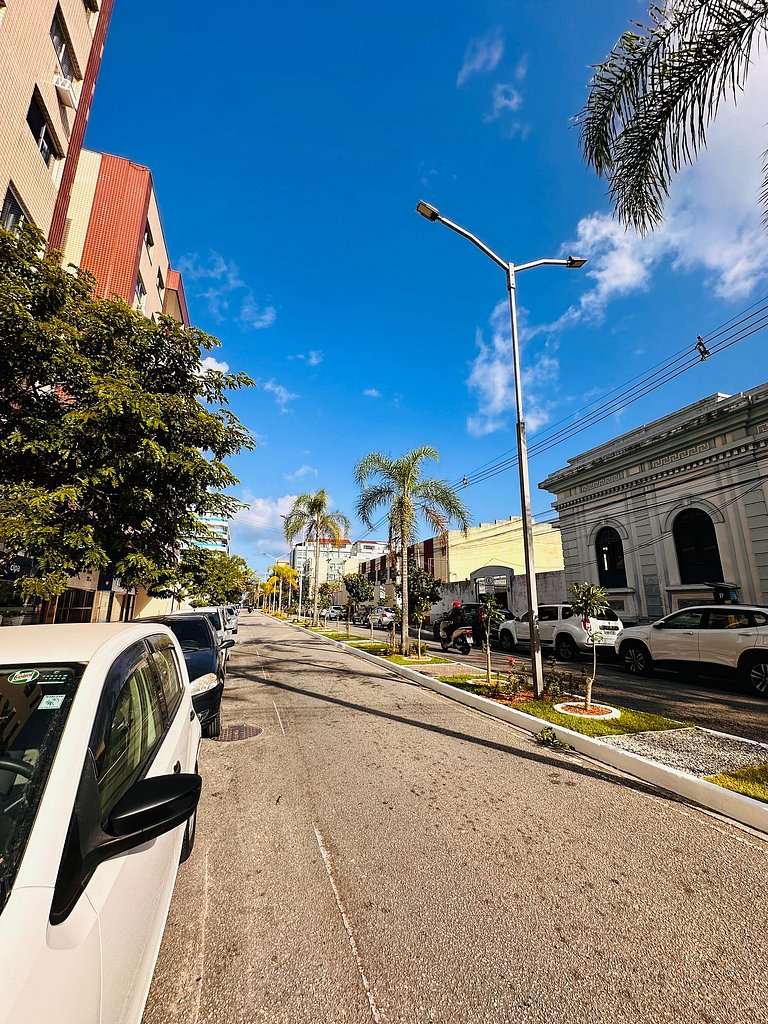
(492, 379)
(482, 55)
(506, 100)
(209, 363)
(312, 358)
(254, 316)
(258, 529)
(371, 393)
(712, 219)
(282, 395)
(302, 471)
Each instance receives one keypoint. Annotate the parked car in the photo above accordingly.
(470, 610)
(98, 795)
(335, 611)
(561, 629)
(382, 617)
(231, 617)
(217, 619)
(721, 639)
(206, 660)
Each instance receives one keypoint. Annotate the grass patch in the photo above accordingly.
(370, 648)
(747, 781)
(630, 721)
(459, 681)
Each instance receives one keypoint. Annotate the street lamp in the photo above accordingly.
(510, 269)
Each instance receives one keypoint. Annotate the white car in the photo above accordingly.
(562, 629)
(719, 639)
(98, 795)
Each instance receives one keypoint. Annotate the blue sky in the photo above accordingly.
(289, 144)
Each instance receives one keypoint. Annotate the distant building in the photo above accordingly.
(658, 514)
(219, 527)
(50, 54)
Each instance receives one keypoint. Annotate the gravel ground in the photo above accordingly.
(696, 751)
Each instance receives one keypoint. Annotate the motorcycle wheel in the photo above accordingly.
(463, 646)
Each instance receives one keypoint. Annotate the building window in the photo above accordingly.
(13, 216)
(698, 557)
(160, 282)
(61, 46)
(38, 125)
(610, 558)
(141, 293)
(148, 240)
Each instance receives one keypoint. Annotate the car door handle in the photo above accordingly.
(177, 768)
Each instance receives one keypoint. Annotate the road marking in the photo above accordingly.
(201, 970)
(355, 953)
(278, 718)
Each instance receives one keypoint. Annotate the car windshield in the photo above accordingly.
(34, 704)
(192, 634)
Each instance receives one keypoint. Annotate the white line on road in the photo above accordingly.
(327, 862)
(279, 718)
(201, 971)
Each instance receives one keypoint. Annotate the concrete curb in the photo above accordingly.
(715, 798)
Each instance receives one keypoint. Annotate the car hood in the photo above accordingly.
(634, 632)
(200, 662)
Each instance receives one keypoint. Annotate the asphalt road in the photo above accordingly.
(380, 853)
(726, 705)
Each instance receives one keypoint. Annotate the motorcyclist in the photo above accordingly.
(455, 621)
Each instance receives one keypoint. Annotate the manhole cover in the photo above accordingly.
(230, 733)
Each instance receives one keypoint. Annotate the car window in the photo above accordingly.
(34, 705)
(608, 615)
(727, 620)
(171, 678)
(192, 634)
(131, 737)
(759, 618)
(567, 611)
(215, 619)
(547, 613)
(690, 618)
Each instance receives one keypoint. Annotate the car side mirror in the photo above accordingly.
(150, 809)
(226, 644)
(659, 625)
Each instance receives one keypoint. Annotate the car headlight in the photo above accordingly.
(204, 683)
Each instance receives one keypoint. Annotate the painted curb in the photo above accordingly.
(715, 798)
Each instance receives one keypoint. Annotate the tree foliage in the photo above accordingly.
(211, 577)
(652, 100)
(398, 486)
(310, 516)
(112, 436)
(588, 601)
(359, 588)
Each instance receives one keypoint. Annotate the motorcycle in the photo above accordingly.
(461, 641)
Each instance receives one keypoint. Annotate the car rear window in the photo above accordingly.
(192, 634)
(34, 705)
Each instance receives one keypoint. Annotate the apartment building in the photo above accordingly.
(113, 229)
(50, 54)
(219, 539)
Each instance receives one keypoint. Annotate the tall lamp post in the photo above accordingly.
(511, 269)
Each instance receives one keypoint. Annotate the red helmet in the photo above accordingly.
(457, 604)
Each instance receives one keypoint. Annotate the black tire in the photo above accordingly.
(757, 674)
(506, 640)
(637, 658)
(212, 727)
(463, 645)
(565, 647)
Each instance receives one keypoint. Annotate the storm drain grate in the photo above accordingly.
(230, 733)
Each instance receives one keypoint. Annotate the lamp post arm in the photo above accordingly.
(540, 263)
(474, 240)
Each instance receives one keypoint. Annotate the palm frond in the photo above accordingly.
(372, 498)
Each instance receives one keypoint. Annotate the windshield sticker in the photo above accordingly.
(26, 675)
(51, 702)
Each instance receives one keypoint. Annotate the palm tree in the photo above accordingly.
(309, 515)
(651, 101)
(406, 495)
(283, 575)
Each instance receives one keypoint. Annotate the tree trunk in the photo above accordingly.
(591, 679)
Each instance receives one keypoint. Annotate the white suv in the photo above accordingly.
(715, 638)
(561, 628)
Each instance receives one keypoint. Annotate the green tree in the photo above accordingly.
(112, 436)
(325, 594)
(423, 591)
(588, 600)
(212, 577)
(359, 588)
(309, 516)
(490, 612)
(652, 100)
(285, 582)
(400, 488)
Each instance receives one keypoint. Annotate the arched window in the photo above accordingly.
(696, 545)
(610, 558)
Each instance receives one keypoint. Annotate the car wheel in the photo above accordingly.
(758, 676)
(565, 647)
(505, 640)
(212, 727)
(637, 659)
